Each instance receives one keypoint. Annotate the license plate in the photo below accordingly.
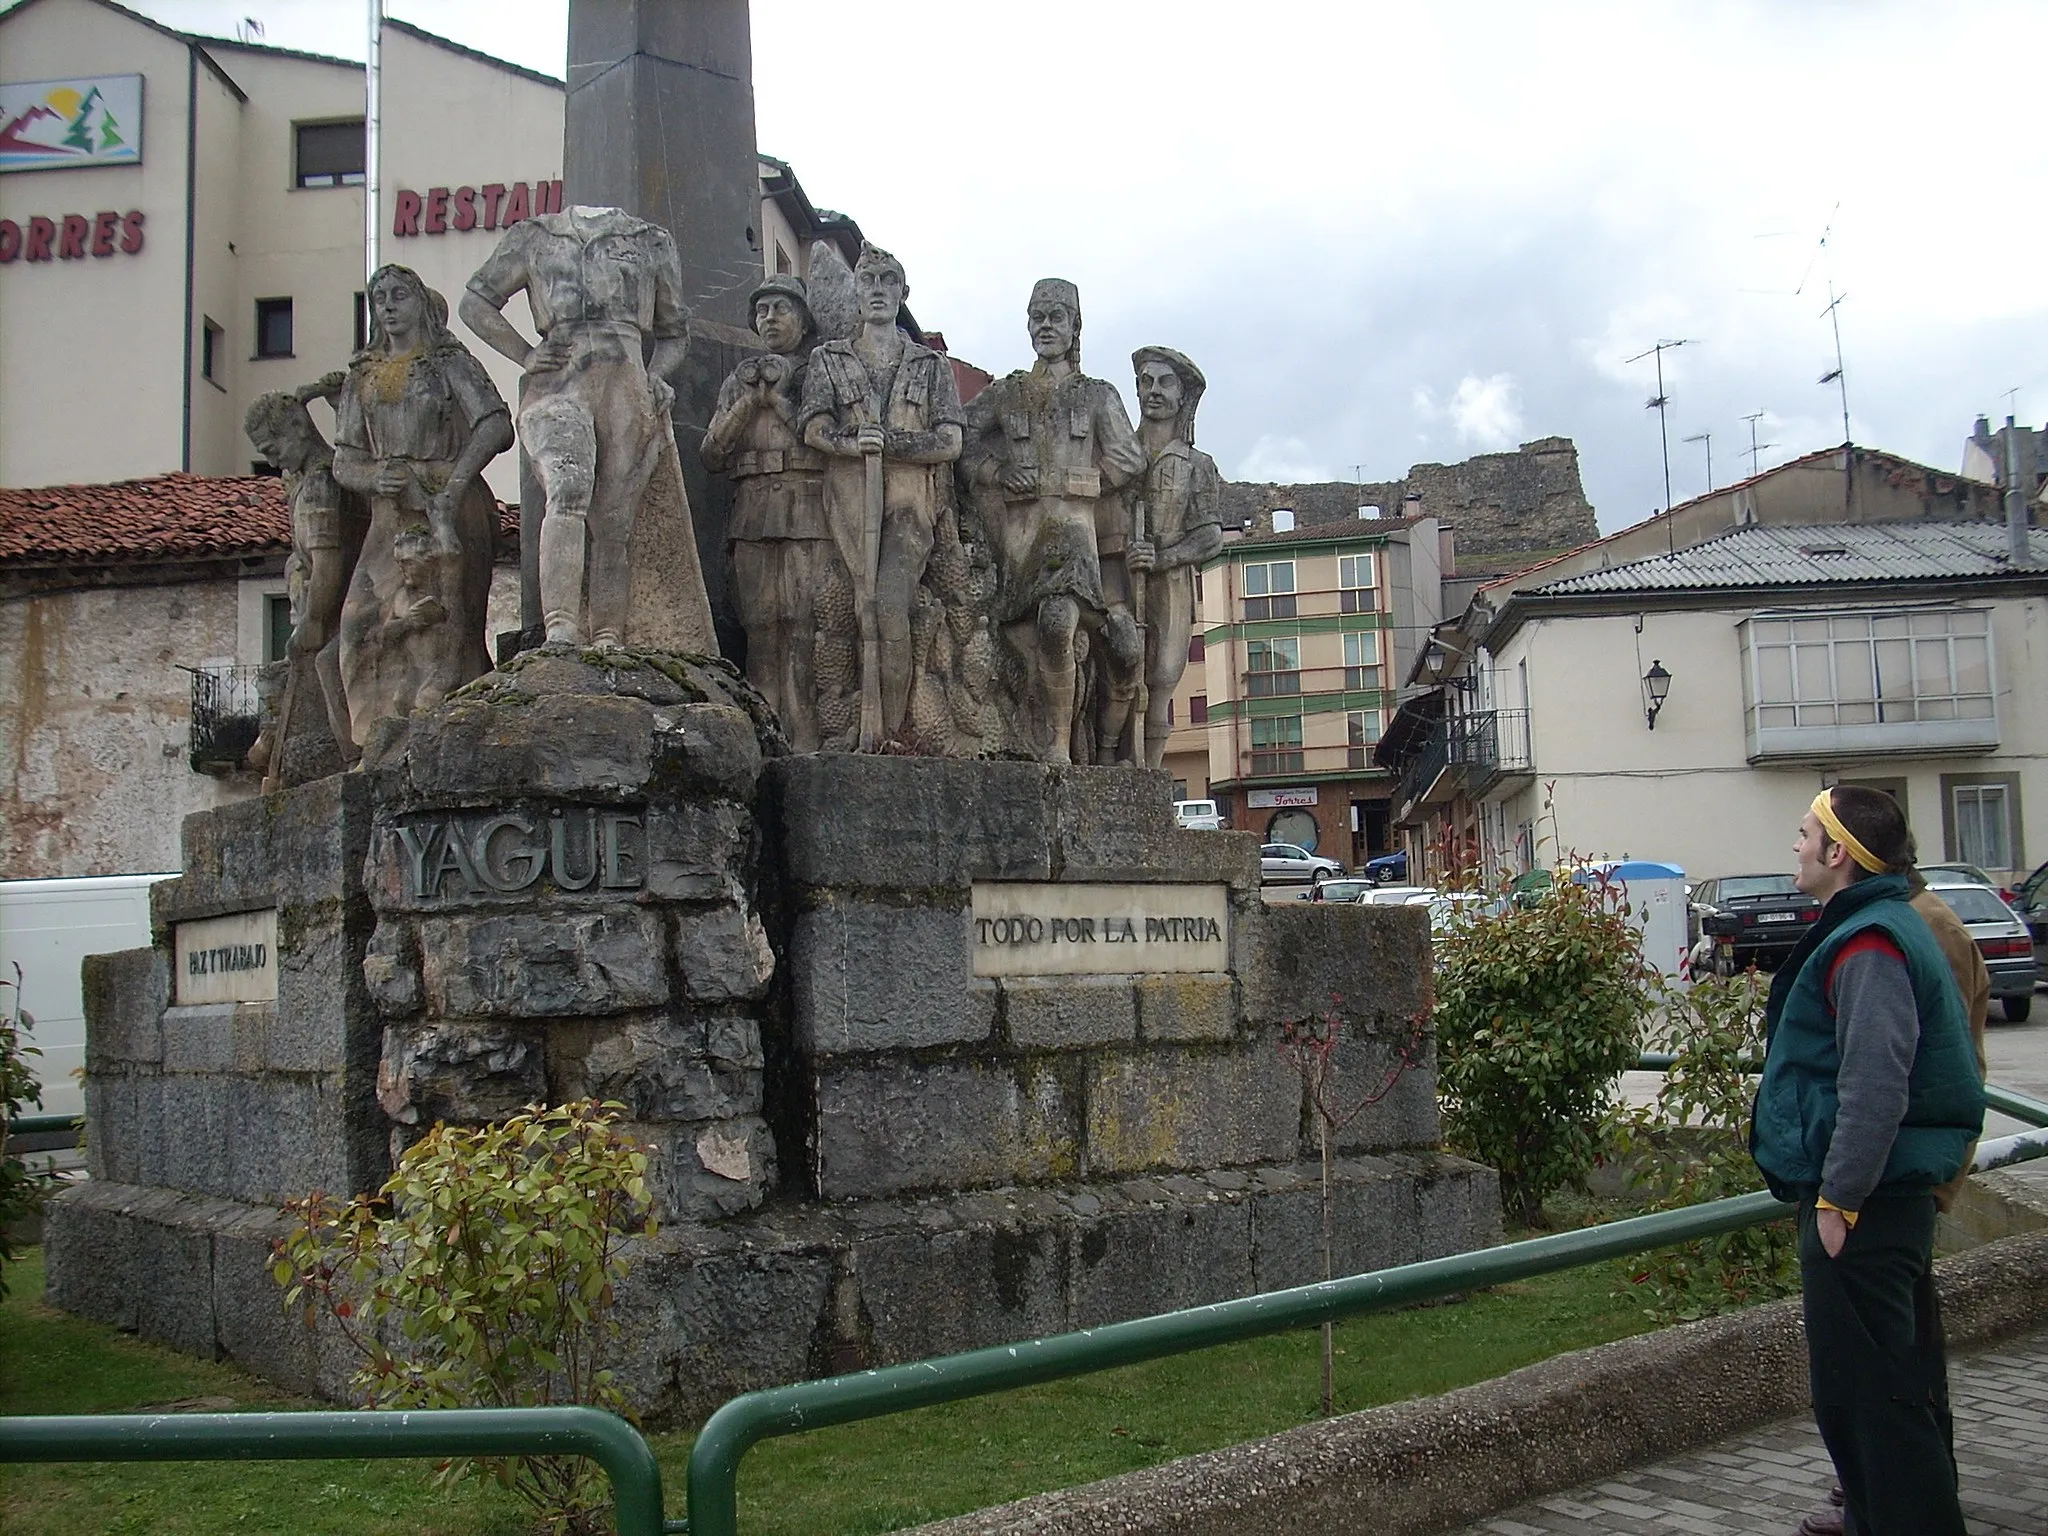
(1777, 917)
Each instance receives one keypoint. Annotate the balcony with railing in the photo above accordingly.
(1289, 681)
(227, 714)
(1306, 762)
(1489, 749)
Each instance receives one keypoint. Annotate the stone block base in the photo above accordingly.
(795, 1291)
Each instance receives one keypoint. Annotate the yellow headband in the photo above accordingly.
(1824, 810)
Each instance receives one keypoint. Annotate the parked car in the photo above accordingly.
(2002, 939)
(1197, 815)
(2030, 900)
(1753, 919)
(1344, 888)
(1448, 907)
(1975, 876)
(1397, 895)
(1284, 861)
(1388, 868)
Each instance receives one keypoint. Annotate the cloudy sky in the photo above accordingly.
(1397, 233)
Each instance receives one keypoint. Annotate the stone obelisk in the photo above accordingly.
(660, 122)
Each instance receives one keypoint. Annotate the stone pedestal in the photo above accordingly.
(562, 867)
(932, 1054)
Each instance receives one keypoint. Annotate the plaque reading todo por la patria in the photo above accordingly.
(1020, 929)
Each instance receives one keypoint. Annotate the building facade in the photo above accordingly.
(1301, 635)
(1897, 650)
(243, 205)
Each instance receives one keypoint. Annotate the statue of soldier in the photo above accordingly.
(328, 526)
(778, 533)
(886, 414)
(1044, 447)
(1177, 524)
(594, 418)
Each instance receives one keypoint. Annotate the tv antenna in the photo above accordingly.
(1708, 439)
(1837, 375)
(1755, 447)
(1658, 402)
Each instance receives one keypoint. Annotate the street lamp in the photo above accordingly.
(1656, 686)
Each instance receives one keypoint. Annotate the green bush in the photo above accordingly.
(22, 1185)
(491, 1257)
(1538, 1006)
(1692, 1145)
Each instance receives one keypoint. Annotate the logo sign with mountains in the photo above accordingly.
(47, 124)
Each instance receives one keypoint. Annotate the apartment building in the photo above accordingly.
(1301, 637)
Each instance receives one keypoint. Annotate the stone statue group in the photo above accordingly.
(1012, 577)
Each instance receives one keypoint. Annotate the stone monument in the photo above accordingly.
(328, 527)
(1175, 525)
(1047, 449)
(659, 121)
(930, 1053)
(618, 553)
(416, 421)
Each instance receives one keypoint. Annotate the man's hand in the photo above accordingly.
(1018, 479)
(393, 477)
(552, 353)
(1141, 555)
(1834, 1231)
(869, 441)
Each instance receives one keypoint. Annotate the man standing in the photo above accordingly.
(778, 531)
(1179, 501)
(1044, 447)
(1870, 1098)
(594, 417)
(885, 413)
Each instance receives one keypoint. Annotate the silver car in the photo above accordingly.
(2002, 939)
(1284, 861)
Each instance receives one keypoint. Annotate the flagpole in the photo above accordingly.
(372, 109)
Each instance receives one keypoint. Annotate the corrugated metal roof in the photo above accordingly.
(1815, 554)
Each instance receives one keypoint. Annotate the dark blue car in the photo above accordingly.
(1388, 868)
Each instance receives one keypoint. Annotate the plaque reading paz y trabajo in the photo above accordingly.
(1020, 929)
(229, 959)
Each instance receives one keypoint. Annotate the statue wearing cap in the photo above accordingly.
(885, 413)
(1047, 449)
(778, 538)
(1177, 524)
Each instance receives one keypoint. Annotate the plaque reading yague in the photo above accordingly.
(1021, 929)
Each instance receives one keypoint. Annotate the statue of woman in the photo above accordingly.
(416, 423)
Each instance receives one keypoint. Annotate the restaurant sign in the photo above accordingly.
(68, 124)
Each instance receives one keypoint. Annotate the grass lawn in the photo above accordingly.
(871, 1477)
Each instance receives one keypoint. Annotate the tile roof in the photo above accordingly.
(1817, 554)
(165, 518)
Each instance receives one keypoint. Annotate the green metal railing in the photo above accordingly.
(43, 1125)
(745, 1421)
(605, 1438)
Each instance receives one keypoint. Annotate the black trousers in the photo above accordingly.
(1877, 1367)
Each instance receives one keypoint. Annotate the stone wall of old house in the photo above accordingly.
(96, 715)
(1529, 499)
(94, 725)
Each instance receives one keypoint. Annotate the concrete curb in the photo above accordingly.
(1438, 1463)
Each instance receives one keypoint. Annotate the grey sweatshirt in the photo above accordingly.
(1877, 1032)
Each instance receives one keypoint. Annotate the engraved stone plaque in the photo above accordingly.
(230, 959)
(1031, 929)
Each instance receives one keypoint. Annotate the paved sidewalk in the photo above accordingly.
(1764, 1482)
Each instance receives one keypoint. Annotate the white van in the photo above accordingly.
(48, 927)
(1197, 815)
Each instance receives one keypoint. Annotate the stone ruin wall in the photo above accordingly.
(1525, 500)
